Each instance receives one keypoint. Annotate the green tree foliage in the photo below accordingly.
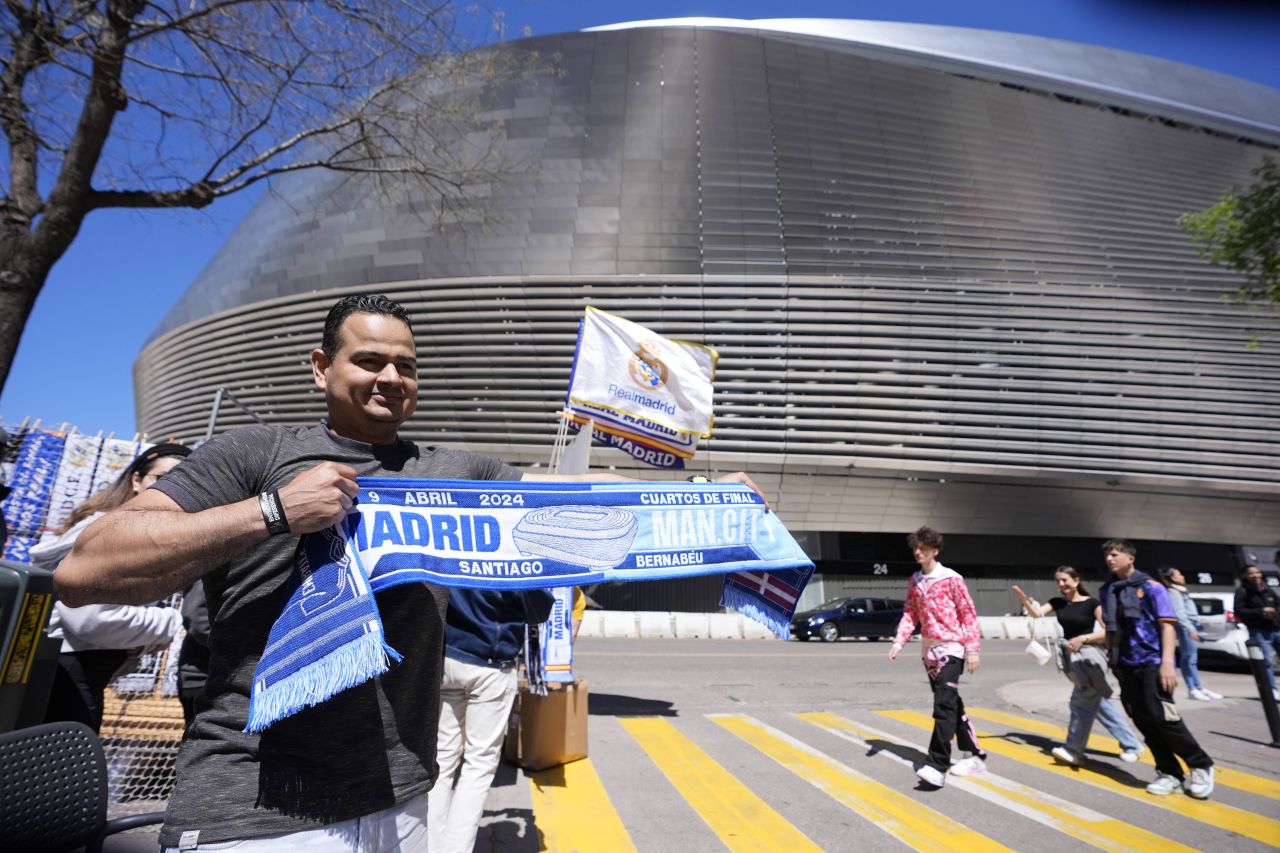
(1242, 231)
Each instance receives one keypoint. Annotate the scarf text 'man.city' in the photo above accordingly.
(509, 535)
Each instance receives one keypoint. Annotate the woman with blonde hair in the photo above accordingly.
(1085, 664)
(97, 639)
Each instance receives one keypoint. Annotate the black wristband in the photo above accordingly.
(273, 513)
(699, 478)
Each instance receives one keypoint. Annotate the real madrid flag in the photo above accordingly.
(624, 367)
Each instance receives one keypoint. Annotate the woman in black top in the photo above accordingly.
(1085, 664)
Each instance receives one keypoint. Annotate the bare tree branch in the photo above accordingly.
(226, 94)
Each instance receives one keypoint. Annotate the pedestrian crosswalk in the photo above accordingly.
(1117, 781)
(892, 811)
(741, 819)
(1087, 825)
(1225, 775)
(864, 769)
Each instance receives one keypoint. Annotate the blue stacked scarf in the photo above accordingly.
(509, 535)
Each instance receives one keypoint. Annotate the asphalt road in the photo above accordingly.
(698, 745)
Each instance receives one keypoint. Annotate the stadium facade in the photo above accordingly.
(941, 267)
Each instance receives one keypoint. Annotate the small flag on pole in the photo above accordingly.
(622, 367)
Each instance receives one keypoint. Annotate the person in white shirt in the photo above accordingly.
(97, 639)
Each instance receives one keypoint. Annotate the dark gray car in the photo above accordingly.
(857, 616)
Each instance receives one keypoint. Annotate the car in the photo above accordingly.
(1220, 633)
(858, 616)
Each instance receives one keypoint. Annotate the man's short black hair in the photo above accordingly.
(364, 303)
(1122, 545)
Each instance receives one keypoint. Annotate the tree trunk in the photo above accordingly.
(23, 271)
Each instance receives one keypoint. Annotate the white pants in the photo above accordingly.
(476, 702)
(399, 829)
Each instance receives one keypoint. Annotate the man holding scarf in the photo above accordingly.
(1140, 622)
(349, 773)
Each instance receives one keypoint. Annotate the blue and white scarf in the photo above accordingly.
(25, 508)
(509, 535)
(555, 644)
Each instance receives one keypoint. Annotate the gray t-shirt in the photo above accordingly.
(363, 750)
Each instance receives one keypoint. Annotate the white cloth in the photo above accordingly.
(113, 458)
(475, 705)
(398, 829)
(101, 626)
(74, 482)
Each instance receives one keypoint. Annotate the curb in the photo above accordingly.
(734, 626)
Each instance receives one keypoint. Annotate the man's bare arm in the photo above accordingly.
(150, 547)
(598, 477)
(605, 477)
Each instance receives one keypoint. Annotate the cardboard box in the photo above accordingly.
(547, 731)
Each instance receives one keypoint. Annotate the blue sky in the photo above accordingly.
(127, 268)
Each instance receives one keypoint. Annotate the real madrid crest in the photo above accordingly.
(646, 369)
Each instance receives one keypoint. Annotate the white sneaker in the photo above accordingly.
(1212, 695)
(1164, 785)
(931, 775)
(1065, 755)
(1130, 756)
(1197, 693)
(1200, 783)
(972, 766)
(1275, 694)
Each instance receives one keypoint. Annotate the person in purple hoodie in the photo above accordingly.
(1140, 619)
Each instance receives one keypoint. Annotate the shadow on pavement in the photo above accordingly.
(508, 831)
(614, 705)
(1094, 763)
(1252, 740)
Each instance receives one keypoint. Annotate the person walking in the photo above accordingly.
(939, 602)
(1085, 664)
(97, 639)
(483, 638)
(1141, 641)
(1188, 632)
(1258, 607)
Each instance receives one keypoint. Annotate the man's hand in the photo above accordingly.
(972, 662)
(739, 477)
(319, 497)
(1193, 635)
(1168, 679)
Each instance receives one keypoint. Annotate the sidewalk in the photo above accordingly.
(1232, 729)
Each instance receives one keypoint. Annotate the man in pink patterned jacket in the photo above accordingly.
(939, 602)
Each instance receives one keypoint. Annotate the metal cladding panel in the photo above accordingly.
(1116, 77)
(934, 296)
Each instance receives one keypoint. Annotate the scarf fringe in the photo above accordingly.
(354, 663)
(751, 607)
